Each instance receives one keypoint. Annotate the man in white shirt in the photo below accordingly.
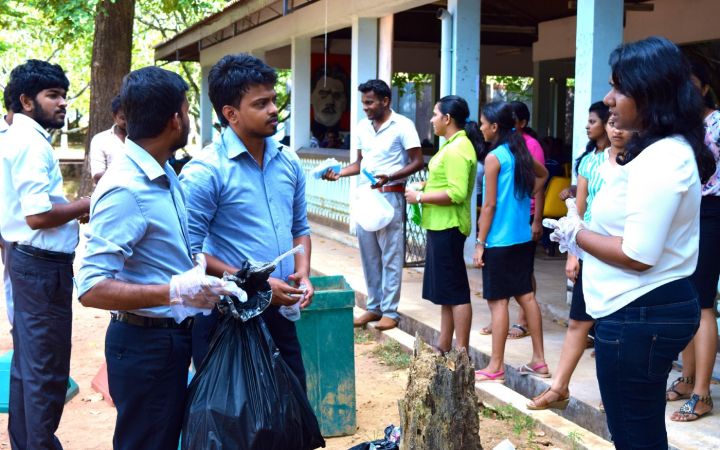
(40, 226)
(389, 147)
(106, 145)
(5, 123)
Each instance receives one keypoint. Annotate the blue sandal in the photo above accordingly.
(687, 413)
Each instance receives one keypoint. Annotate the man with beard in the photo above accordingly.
(329, 100)
(107, 145)
(389, 147)
(40, 227)
(246, 199)
(138, 265)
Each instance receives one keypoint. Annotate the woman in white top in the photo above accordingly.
(642, 244)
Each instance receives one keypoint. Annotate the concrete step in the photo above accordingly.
(555, 427)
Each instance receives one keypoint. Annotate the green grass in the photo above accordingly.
(520, 422)
(363, 336)
(391, 354)
(575, 439)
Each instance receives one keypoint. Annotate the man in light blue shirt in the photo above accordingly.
(138, 264)
(40, 227)
(246, 198)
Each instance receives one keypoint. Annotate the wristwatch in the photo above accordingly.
(479, 242)
(418, 197)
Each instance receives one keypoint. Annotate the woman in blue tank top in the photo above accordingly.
(504, 246)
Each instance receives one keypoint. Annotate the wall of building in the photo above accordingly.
(420, 57)
(680, 21)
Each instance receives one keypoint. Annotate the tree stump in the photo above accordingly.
(440, 408)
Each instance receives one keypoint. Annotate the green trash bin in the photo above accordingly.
(326, 335)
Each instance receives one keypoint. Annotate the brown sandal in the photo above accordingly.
(560, 403)
(672, 390)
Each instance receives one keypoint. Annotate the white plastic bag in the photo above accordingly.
(371, 210)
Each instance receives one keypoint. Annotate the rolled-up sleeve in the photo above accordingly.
(654, 193)
(458, 170)
(300, 226)
(199, 182)
(117, 224)
(31, 179)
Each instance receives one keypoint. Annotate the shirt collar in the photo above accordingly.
(455, 136)
(234, 146)
(144, 160)
(3, 124)
(27, 121)
(387, 123)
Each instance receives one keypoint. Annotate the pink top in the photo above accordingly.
(537, 152)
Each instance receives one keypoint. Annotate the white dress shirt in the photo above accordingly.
(30, 183)
(104, 148)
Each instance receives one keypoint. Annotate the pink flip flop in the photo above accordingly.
(489, 377)
(526, 369)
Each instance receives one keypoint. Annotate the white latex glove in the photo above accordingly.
(566, 229)
(193, 292)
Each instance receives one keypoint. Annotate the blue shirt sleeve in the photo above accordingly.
(117, 224)
(300, 226)
(199, 182)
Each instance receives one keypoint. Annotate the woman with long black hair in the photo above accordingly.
(504, 247)
(642, 244)
(446, 217)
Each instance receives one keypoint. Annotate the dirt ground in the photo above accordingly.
(88, 421)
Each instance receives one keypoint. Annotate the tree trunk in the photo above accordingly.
(440, 408)
(111, 55)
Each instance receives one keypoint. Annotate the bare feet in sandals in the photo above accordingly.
(680, 389)
(517, 331)
(695, 408)
(550, 398)
(486, 331)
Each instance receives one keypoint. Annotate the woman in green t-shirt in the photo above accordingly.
(446, 217)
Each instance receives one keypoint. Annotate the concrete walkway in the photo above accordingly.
(336, 253)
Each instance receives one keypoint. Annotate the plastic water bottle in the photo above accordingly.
(415, 208)
(292, 312)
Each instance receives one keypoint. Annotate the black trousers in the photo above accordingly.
(147, 376)
(42, 329)
(282, 331)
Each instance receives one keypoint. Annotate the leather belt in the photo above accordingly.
(48, 255)
(392, 188)
(150, 322)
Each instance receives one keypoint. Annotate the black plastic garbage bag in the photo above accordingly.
(245, 397)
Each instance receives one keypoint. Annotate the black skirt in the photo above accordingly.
(578, 311)
(445, 281)
(708, 265)
(508, 270)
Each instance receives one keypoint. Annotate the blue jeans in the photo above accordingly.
(635, 348)
(382, 254)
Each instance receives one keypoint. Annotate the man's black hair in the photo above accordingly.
(32, 77)
(377, 87)
(149, 97)
(233, 76)
(7, 96)
(115, 105)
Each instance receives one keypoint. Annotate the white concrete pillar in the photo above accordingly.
(300, 93)
(466, 78)
(206, 109)
(466, 51)
(599, 31)
(363, 67)
(385, 48)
